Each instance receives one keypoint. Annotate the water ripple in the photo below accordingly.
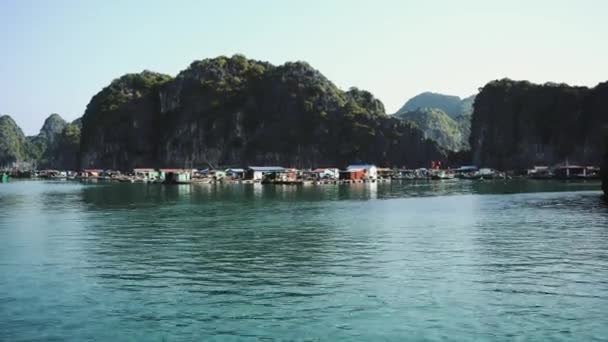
(420, 261)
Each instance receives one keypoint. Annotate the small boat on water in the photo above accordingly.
(471, 175)
(482, 174)
(488, 173)
(442, 175)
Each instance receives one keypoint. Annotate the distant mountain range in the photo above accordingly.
(452, 105)
(56, 146)
(445, 119)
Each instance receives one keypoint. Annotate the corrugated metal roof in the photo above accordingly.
(360, 166)
(267, 168)
(175, 170)
(322, 169)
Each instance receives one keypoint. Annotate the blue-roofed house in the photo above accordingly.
(235, 173)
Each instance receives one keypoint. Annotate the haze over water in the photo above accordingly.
(419, 261)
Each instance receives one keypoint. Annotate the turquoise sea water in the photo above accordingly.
(461, 261)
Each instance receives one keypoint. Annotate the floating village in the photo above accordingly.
(357, 173)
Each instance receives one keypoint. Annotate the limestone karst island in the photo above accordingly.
(222, 118)
(303, 171)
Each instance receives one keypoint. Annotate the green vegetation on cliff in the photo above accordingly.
(56, 146)
(466, 105)
(65, 152)
(439, 127)
(445, 119)
(517, 124)
(12, 142)
(125, 115)
(453, 106)
(237, 111)
(41, 148)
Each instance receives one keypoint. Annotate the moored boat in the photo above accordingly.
(442, 175)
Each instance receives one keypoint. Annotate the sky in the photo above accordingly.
(56, 54)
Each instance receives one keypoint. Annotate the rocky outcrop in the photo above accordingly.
(466, 105)
(451, 105)
(12, 142)
(40, 146)
(517, 124)
(237, 111)
(440, 127)
(56, 146)
(52, 128)
(445, 119)
(120, 127)
(65, 152)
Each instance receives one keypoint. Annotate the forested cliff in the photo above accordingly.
(57, 144)
(517, 124)
(237, 111)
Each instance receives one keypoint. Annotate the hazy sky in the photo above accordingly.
(56, 54)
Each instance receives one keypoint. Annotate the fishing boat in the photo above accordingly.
(471, 175)
(488, 173)
(442, 175)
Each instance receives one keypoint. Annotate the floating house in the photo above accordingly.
(290, 175)
(176, 176)
(235, 173)
(217, 174)
(202, 173)
(354, 174)
(258, 173)
(370, 171)
(147, 174)
(570, 171)
(91, 173)
(593, 172)
(540, 172)
(326, 173)
(413, 174)
(52, 174)
(110, 174)
(385, 173)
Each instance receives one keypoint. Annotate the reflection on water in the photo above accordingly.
(117, 195)
(420, 260)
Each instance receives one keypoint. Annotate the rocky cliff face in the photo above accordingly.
(12, 142)
(445, 119)
(517, 124)
(52, 128)
(120, 127)
(64, 152)
(236, 111)
(451, 105)
(439, 127)
(55, 147)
